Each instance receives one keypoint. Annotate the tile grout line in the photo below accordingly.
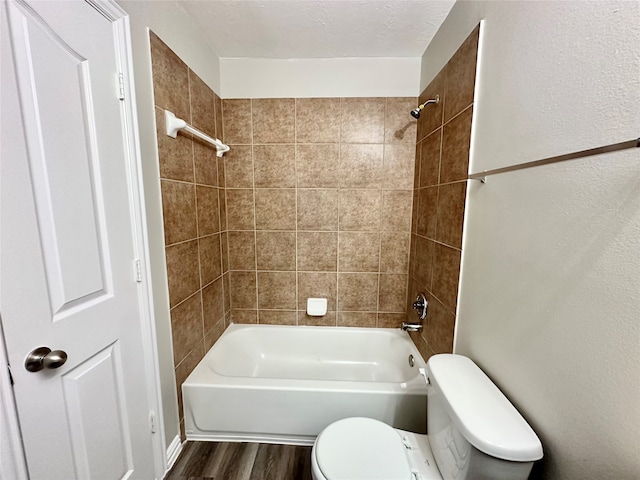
(255, 216)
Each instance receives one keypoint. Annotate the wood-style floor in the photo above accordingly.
(241, 461)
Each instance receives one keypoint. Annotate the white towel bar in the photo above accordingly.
(173, 124)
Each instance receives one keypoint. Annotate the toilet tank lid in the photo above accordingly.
(481, 411)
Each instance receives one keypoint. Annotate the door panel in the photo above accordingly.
(98, 430)
(68, 247)
(63, 158)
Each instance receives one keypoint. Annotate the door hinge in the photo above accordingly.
(10, 375)
(138, 269)
(120, 86)
(152, 422)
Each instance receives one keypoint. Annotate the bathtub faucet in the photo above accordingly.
(420, 306)
(411, 327)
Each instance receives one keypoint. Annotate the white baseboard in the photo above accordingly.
(173, 451)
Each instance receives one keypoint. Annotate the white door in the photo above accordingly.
(68, 247)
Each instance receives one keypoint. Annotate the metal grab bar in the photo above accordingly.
(559, 158)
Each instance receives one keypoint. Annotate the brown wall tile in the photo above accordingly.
(277, 317)
(427, 212)
(317, 120)
(396, 210)
(179, 211)
(359, 252)
(274, 166)
(273, 120)
(357, 291)
(431, 116)
(277, 290)
(275, 209)
(276, 250)
(224, 240)
(221, 172)
(202, 110)
(317, 165)
(187, 326)
(317, 285)
(362, 120)
(205, 164)
(210, 258)
(399, 165)
(182, 270)
(317, 209)
(430, 159)
(226, 287)
(217, 103)
(424, 262)
(455, 148)
(317, 251)
(236, 115)
(461, 77)
(244, 316)
(451, 198)
(329, 320)
(400, 126)
(394, 252)
(392, 293)
(243, 289)
(390, 320)
(446, 271)
(175, 154)
(240, 209)
(242, 250)
(213, 304)
(170, 79)
(361, 166)
(357, 319)
(213, 335)
(440, 328)
(238, 167)
(360, 209)
(208, 210)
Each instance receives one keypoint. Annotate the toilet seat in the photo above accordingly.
(361, 449)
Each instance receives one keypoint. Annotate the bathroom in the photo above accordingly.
(548, 291)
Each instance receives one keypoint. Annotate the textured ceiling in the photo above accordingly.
(318, 29)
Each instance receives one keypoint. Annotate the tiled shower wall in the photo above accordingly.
(442, 162)
(192, 182)
(319, 194)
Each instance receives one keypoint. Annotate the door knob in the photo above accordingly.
(43, 357)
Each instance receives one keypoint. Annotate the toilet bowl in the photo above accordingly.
(473, 432)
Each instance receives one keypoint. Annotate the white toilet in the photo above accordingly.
(473, 432)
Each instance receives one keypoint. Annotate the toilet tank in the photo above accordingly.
(473, 429)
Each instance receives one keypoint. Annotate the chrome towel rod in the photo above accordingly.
(559, 158)
(173, 124)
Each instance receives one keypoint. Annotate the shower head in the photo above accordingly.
(416, 113)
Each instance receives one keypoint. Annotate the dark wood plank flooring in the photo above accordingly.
(241, 461)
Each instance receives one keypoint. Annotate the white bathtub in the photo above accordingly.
(282, 384)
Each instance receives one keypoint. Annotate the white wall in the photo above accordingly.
(320, 77)
(176, 29)
(550, 282)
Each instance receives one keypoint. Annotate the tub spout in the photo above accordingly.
(411, 327)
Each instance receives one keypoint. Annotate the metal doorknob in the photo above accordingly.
(43, 357)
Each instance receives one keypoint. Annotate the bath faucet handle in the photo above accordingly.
(420, 305)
